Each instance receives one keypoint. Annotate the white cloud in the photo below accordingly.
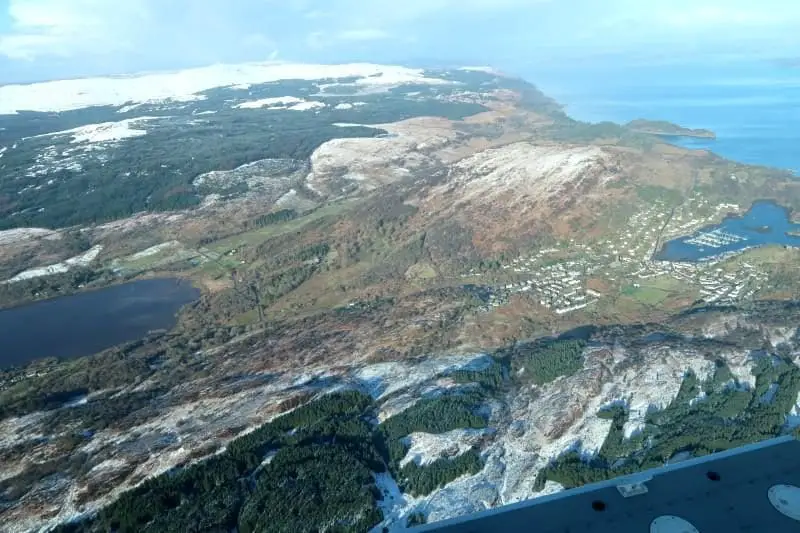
(124, 34)
(127, 28)
(407, 11)
(707, 16)
(320, 40)
(676, 16)
(58, 28)
(363, 35)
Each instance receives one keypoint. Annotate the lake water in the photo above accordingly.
(765, 223)
(86, 323)
(754, 107)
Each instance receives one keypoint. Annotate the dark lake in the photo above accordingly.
(86, 323)
(765, 223)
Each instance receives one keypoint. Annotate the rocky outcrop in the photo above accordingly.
(342, 166)
(526, 173)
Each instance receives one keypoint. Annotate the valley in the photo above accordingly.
(433, 286)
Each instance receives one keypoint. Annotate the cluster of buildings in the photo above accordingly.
(721, 287)
(559, 286)
(628, 258)
(694, 214)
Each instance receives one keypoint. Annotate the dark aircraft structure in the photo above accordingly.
(755, 488)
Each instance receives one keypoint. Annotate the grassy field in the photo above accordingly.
(764, 256)
(255, 237)
(657, 292)
(646, 295)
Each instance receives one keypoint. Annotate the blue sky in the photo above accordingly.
(41, 39)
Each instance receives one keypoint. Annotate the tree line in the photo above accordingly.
(727, 416)
(311, 469)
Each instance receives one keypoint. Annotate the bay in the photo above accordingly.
(763, 224)
(753, 107)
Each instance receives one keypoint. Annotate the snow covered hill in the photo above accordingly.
(184, 85)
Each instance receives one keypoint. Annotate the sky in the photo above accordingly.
(50, 39)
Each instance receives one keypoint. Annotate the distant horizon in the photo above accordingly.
(44, 40)
(421, 63)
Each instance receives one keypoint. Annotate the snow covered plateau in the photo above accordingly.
(184, 85)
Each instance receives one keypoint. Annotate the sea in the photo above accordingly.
(752, 106)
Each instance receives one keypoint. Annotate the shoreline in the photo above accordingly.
(788, 211)
(704, 136)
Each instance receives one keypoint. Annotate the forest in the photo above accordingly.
(433, 415)
(52, 286)
(422, 480)
(727, 416)
(48, 182)
(311, 469)
(541, 362)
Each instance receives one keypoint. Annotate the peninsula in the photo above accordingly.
(662, 127)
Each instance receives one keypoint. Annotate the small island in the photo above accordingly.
(662, 127)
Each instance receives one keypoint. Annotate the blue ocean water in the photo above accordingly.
(764, 223)
(753, 107)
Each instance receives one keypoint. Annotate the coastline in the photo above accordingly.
(753, 125)
(665, 128)
(660, 252)
(711, 136)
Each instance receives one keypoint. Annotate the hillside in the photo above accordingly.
(450, 286)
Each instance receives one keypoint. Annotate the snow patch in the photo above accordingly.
(740, 363)
(487, 70)
(109, 465)
(399, 76)
(58, 268)
(781, 335)
(793, 418)
(16, 235)
(153, 250)
(184, 85)
(394, 505)
(658, 385)
(306, 106)
(128, 108)
(83, 259)
(383, 379)
(344, 106)
(279, 102)
(700, 398)
(105, 131)
(425, 448)
(351, 125)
